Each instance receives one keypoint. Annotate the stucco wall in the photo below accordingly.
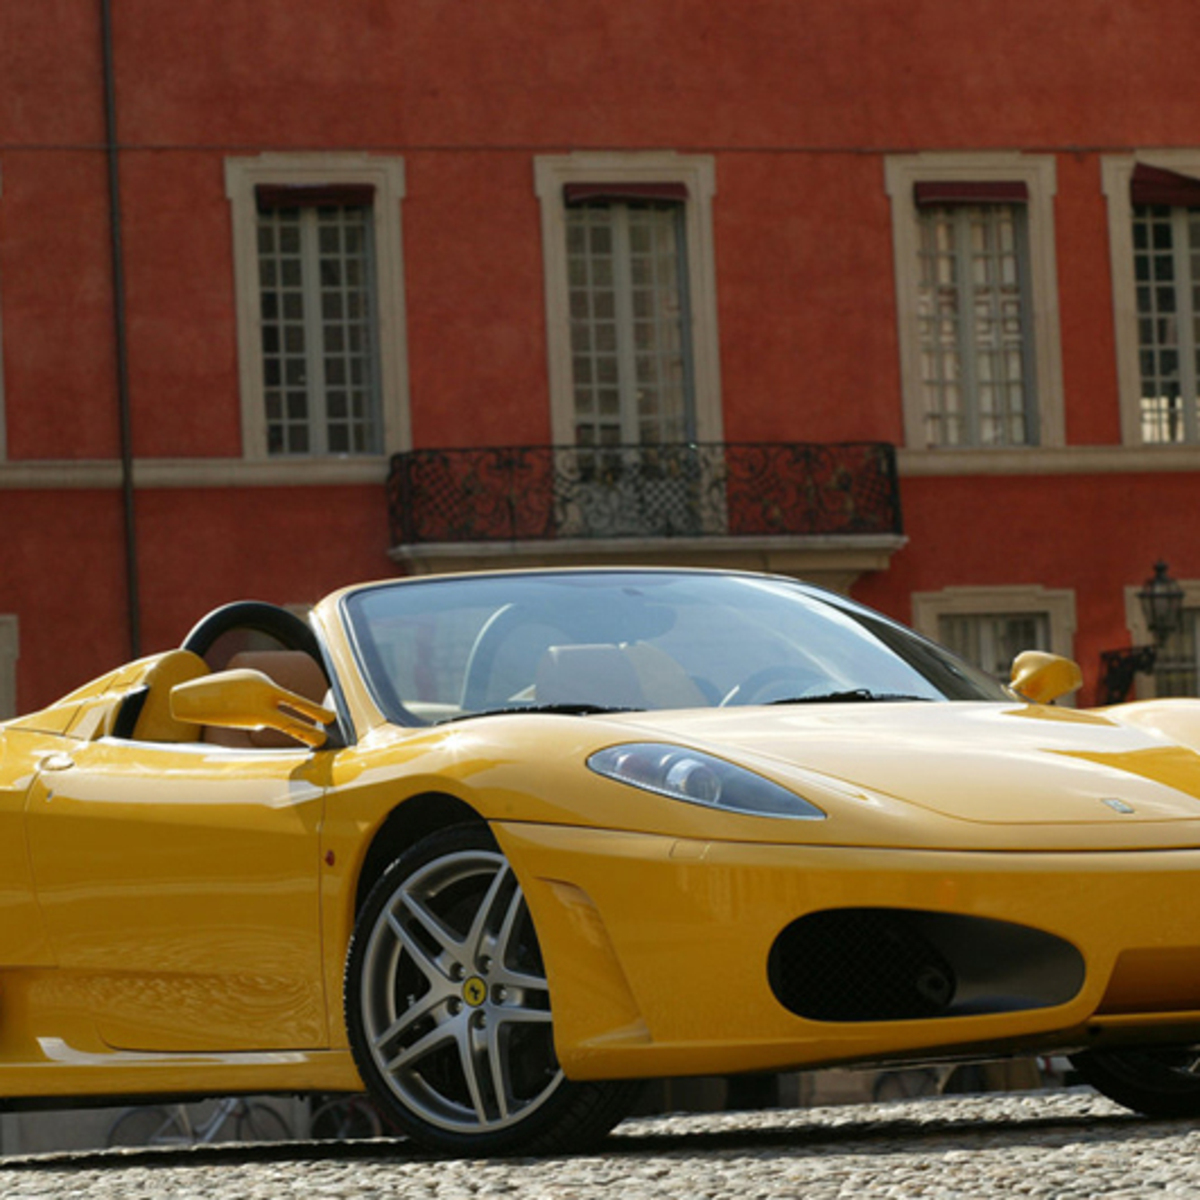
(798, 106)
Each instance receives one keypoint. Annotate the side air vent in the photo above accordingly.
(895, 964)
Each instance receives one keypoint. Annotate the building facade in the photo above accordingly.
(902, 297)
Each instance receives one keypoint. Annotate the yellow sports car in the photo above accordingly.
(497, 846)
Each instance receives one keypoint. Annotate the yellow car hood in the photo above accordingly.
(986, 763)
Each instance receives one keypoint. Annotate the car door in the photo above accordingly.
(179, 888)
(23, 940)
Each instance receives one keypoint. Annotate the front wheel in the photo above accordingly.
(1156, 1081)
(448, 1008)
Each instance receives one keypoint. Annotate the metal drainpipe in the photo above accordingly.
(118, 280)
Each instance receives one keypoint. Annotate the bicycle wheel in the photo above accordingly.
(260, 1123)
(148, 1126)
(344, 1118)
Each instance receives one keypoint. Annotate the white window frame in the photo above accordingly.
(9, 652)
(386, 175)
(1038, 173)
(698, 174)
(1116, 177)
(1057, 603)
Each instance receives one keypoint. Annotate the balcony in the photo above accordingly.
(715, 503)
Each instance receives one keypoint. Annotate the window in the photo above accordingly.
(320, 329)
(1165, 240)
(976, 344)
(630, 298)
(976, 298)
(8, 666)
(320, 304)
(1154, 238)
(1177, 664)
(631, 362)
(991, 626)
(992, 640)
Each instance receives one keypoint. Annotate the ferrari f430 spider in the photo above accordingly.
(496, 847)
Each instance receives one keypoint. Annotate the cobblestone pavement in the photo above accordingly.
(1064, 1144)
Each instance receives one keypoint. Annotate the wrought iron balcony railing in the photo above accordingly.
(761, 489)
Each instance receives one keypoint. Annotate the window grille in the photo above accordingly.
(319, 330)
(1166, 261)
(976, 351)
(628, 295)
(992, 640)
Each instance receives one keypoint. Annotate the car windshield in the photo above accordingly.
(445, 649)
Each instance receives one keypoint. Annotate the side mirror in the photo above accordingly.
(247, 699)
(1041, 677)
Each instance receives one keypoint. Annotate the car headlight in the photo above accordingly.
(699, 778)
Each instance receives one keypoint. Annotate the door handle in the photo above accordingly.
(58, 761)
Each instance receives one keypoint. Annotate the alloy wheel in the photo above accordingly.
(455, 1006)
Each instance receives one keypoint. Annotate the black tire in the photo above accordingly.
(1158, 1082)
(448, 1009)
(260, 1123)
(148, 1125)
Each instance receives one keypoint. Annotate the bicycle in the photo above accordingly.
(346, 1117)
(233, 1118)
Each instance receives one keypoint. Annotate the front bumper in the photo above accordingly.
(657, 948)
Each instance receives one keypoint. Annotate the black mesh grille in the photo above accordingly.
(860, 964)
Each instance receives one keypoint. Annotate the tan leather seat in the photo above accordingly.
(291, 669)
(154, 722)
(664, 682)
(593, 674)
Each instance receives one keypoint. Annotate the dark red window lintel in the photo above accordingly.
(1154, 185)
(314, 195)
(970, 191)
(581, 193)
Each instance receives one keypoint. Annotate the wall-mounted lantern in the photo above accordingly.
(1161, 598)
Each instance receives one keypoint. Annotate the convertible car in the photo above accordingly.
(496, 847)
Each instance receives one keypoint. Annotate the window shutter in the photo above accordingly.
(581, 193)
(1153, 185)
(967, 191)
(314, 195)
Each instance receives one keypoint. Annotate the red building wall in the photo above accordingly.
(797, 103)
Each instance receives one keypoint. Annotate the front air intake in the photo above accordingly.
(897, 964)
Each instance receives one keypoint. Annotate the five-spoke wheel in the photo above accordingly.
(448, 1007)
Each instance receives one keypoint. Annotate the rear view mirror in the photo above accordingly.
(1040, 677)
(247, 699)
